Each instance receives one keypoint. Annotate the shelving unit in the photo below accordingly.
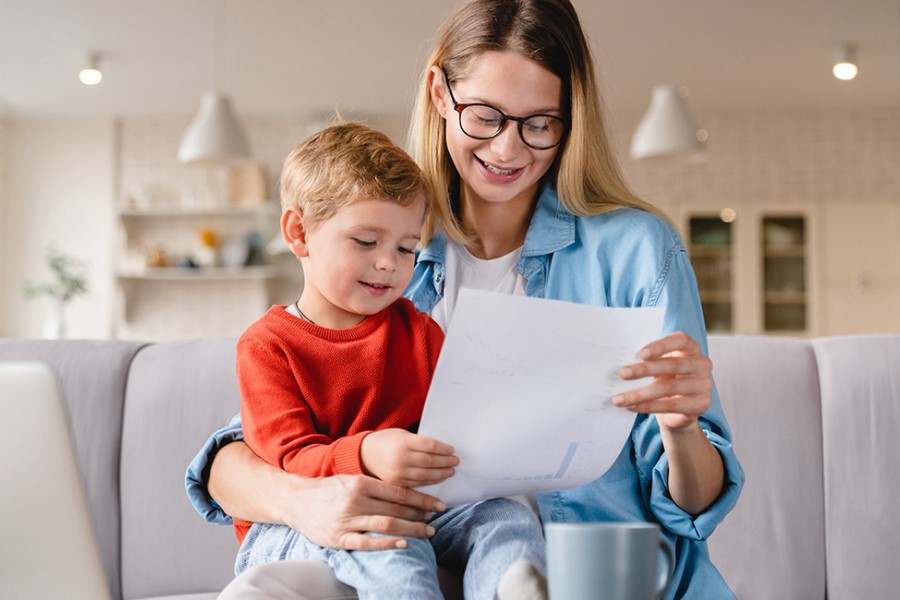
(175, 283)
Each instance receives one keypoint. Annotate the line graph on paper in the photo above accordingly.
(522, 392)
(558, 473)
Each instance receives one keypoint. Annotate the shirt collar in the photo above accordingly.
(552, 228)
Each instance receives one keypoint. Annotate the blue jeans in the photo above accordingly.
(481, 540)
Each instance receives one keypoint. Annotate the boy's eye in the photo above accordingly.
(364, 243)
(403, 250)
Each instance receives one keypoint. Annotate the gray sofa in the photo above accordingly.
(815, 424)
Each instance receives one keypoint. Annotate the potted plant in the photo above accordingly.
(69, 281)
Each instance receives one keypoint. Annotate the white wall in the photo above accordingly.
(63, 178)
(59, 190)
(4, 152)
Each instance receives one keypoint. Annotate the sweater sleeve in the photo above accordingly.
(278, 423)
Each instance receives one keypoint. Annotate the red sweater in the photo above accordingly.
(309, 395)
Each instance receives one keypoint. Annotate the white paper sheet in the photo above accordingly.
(523, 389)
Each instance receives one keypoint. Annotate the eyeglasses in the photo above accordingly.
(483, 122)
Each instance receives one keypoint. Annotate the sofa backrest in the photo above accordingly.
(178, 393)
(772, 544)
(860, 382)
(92, 376)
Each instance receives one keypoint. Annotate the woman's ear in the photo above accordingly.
(293, 232)
(437, 87)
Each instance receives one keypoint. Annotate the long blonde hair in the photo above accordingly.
(587, 175)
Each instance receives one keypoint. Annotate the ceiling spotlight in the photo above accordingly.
(91, 75)
(845, 67)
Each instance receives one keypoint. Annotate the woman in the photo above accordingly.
(508, 127)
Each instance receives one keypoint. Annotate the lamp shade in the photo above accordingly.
(667, 128)
(214, 135)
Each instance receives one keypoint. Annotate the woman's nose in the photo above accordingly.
(507, 143)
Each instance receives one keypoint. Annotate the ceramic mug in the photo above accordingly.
(608, 561)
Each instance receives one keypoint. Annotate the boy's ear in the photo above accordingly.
(437, 87)
(293, 232)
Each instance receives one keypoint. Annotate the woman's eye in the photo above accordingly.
(364, 243)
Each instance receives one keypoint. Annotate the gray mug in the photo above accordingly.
(608, 561)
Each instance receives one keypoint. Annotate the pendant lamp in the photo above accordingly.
(215, 135)
(667, 128)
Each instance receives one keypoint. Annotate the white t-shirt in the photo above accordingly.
(461, 269)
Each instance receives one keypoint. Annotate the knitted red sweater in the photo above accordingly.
(309, 395)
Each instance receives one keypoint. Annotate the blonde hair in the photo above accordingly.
(586, 173)
(343, 164)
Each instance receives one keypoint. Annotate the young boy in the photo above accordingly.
(335, 383)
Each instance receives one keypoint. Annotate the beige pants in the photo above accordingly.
(284, 580)
(306, 580)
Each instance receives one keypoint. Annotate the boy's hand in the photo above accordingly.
(403, 458)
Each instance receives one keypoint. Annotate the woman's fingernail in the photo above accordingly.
(645, 353)
(429, 531)
(618, 400)
(440, 506)
(627, 372)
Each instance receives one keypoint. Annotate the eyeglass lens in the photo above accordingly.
(484, 122)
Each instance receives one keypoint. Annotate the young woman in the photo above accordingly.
(509, 129)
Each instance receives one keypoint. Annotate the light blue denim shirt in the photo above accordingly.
(626, 257)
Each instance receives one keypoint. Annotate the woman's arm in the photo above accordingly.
(679, 393)
(331, 511)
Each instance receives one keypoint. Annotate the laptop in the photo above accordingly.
(49, 549)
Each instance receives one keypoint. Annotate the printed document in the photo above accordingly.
(523, 391)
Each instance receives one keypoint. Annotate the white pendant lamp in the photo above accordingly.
(215, 135)
(667, 128)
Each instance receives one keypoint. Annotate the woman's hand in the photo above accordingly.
(681, 387)
(331, 511)
(403, 458)
(337, 511)
(680, 391)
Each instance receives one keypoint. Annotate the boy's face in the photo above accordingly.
(360, 260)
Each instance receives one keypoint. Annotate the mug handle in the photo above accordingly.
(665, 575)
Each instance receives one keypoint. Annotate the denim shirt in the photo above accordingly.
(626, 257)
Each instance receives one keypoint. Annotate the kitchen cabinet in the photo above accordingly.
(861, 268)
(754, 268)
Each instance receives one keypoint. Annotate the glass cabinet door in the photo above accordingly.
(784, 262)
(711, 252)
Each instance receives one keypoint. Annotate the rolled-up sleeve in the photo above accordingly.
(676, 292)
(197, 474)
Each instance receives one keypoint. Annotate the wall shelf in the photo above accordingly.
(201, 274)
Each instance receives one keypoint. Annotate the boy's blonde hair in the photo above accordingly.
(548, 32)
(345, 163)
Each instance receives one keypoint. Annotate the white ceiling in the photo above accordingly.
(306, 57)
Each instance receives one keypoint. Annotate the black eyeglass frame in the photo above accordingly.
(520, 121)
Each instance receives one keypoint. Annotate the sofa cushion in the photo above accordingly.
(178, 392)
(860, 381)
(771, 546)
(92, 376)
